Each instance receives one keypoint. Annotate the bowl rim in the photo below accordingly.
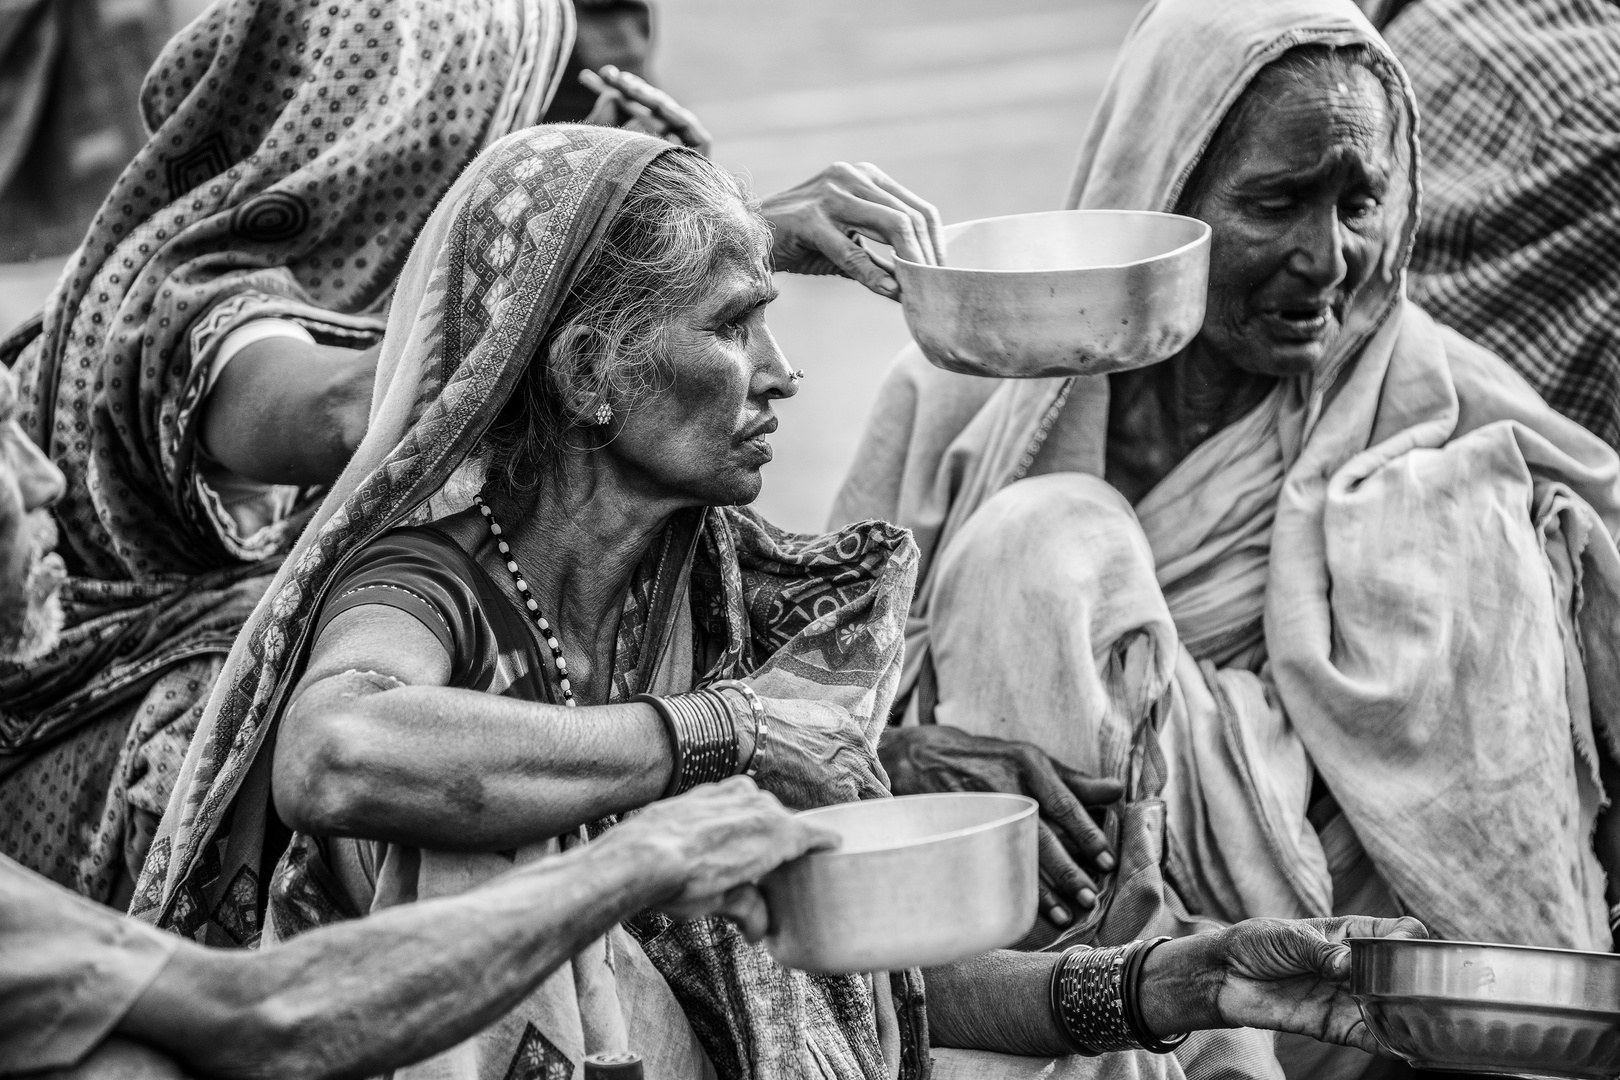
(1370, 942)
(1202, 238)
(1027, 810)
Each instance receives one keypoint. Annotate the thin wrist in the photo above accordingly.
(1179, 983)
(640, 871)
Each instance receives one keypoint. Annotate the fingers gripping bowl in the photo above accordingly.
(1456, 1006)
(919, 880)
(1069, 292)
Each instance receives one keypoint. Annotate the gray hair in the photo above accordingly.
(677, 223)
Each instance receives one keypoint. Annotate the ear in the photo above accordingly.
(578, 361)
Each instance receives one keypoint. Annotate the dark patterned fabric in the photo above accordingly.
(822, 617)
(1519, 243)
(296, 149)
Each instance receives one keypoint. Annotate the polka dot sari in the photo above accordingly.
(296, 149)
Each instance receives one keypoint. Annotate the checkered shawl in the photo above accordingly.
(1519, 244)
(817, 619)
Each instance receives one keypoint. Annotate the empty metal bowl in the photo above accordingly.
(1070, 292)
(920, 880)
(1506, 1010)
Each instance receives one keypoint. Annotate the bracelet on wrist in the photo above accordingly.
(702, 734)
(1134, 1017)
(756, 709)
(1088, 999)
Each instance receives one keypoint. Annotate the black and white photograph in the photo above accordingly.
(851, 540)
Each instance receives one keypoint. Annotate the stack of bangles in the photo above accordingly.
(1097, 1000)
(702, 727)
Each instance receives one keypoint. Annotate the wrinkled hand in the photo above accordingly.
(815, 224)
(1073, 850)
(815, 754)
(631, 102)
(718, 840)
(1283, 975)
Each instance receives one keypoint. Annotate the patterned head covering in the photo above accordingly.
(296, 150)
(813, 622)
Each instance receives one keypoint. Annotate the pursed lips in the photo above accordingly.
(754, 437)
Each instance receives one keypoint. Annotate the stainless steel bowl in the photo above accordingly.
(1458, 1006)
(920, 880)
(1070, 292)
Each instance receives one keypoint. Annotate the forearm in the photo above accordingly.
(367, 996)
(1001, 1001)
(461, 770)
(998, 1001)
(287, 412)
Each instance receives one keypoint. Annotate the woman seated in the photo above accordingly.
(530, 605)
(207, 367)
(1332, 582)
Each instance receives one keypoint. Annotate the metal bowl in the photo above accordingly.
(920, 880)
(1070, 292)
(1507, 1010)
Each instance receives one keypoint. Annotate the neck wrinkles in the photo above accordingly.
(578, 542)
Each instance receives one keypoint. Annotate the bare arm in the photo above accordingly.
(367, 996)
(288, 412)
(433, 766)
(1274, 974)
(997, 1001)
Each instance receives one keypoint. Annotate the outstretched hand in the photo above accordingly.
(1074, 852)
(1276, 974)
(716, 841)
(626, 100)
(815, 226)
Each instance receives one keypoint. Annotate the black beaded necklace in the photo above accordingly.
(529, 601)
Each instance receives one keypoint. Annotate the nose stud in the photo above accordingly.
(797, 375)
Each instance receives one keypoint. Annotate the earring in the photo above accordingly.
(604, 414)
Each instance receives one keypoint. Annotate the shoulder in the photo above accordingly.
(419, 570)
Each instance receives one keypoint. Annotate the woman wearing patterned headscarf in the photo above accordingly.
(295, 153)
(203, 365)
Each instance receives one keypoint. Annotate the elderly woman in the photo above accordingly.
(207, 365)
(1332, 583)
(530, 605)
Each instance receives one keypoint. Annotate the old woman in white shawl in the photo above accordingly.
(1333, 582)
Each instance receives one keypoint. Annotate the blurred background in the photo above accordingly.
(977, 107)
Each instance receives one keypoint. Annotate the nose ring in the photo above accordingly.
(797, 375)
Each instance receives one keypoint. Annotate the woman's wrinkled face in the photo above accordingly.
(701, 438)
(1294, 196)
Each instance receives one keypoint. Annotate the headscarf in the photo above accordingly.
(1455, 724)
(812, 618)
(1179, 72)
(296, 149)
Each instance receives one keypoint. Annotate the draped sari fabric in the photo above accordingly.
(295, 152)
(813, 622)
(1400, 571)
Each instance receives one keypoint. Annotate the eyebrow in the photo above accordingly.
(758, 294)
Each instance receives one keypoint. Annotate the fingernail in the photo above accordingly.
(1060, 915)
(1086, 898)
(1105, 861)
(890, 288)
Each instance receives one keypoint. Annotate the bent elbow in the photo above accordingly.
(322, 777)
